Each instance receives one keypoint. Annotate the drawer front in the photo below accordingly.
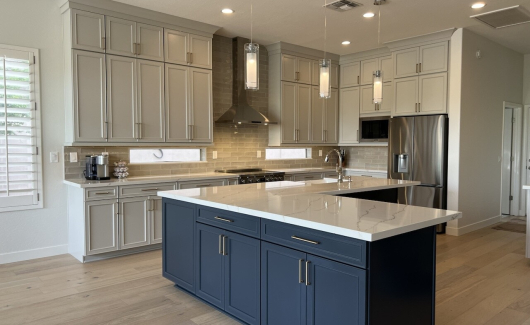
(145, 190)
(306, 177)
(101, 193)
(335, 247)
(199, 184)
(239, 223)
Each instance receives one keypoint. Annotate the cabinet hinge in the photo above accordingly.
(511, 197)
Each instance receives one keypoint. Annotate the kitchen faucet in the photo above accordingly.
(340, 163)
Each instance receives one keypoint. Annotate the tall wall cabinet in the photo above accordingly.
(303, 117)
(133, 81)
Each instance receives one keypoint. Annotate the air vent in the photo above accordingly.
(343, 5)
(504, 17)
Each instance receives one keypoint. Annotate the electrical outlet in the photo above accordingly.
(73, 156)
(54, 156)
(259, 154)
(214, 154)
(320, 153)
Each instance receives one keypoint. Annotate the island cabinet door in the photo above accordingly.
(283, 291)
(209, 272)
(336, 293)
(178, 230)
(242, 277)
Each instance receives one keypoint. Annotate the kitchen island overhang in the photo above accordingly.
(241, 248)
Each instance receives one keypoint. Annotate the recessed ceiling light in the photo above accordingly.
(227, 11)
(478, 5)
(368, 15)
(346, 43)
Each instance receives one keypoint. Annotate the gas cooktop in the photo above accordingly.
(254, 175)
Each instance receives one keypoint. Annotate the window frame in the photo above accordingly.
(38, 128)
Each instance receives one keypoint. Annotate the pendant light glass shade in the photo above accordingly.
(324, 78)
(378, 87)
(252, 66)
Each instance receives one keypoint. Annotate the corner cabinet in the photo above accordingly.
(116, 91)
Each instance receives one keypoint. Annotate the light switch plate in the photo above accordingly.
(259, 154)
(320, 153)
(73, 156)
(214, 153)
(54, 156)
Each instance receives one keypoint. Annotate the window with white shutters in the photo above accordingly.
(20, 163)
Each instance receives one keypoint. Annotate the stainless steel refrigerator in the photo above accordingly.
(417, 151)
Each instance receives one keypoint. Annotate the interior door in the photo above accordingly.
(406, 96)
(289, 68)
(350, 74)
(288, 113)
(177, 91)
(332, 117)
(318, 117)
(433, 94)
(349, 115)
(367, 70)
(209, 272)
(200, 51)
(283, 289)
(150, 42)
(134, 222)
(122, 98)
(90, 96)
(151, 127)
(406, 62)
(121, 36)
(304, 113)
(201, 103)
(304, 70)
(88, 31)
(176, 47)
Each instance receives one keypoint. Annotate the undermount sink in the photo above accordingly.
(327, 180)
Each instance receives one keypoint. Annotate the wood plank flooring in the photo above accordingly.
(483, 278)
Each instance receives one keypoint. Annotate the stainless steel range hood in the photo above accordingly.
(241, 112)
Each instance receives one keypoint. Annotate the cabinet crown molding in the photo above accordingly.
(296, 50)
(444, 35)
(364, 55)
(124, 11)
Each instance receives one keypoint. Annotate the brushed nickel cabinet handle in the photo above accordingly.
(419, 107)
(224, 246)
(138, 48)
(104, 43)
(102, 193)
(307, 273)
(305, 240)
(417, 68)
(149, 189)
(191, 58)
(300, 279)
(420, 67)
(221, 245)
(223, 219)
(358, 79)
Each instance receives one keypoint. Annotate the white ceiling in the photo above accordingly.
(301, 22)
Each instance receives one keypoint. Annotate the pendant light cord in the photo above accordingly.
(379, 28)
(325, 28)
(251, 22)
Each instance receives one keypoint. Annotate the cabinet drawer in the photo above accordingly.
(145, 190)
(198, 184)
(239, 223)
(335, 247)
(306, 177)
(101, 193)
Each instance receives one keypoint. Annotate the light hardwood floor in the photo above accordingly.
(483, 278)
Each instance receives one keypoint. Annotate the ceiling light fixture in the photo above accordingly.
(478, 5)
(251, 60)
(325, 64)
(369, 15)
(346, 43)
(227, 11)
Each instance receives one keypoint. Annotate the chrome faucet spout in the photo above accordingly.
(326, 159)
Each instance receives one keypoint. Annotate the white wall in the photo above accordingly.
(485, 84)
(42, 232)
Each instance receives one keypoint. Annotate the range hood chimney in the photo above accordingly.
(241, 112)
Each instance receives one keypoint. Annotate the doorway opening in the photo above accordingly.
(511, 159)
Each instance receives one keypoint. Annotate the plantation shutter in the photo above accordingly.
(19, 169)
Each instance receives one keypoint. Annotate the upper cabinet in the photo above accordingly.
(324, 117)
(188, 49)
(369, 66)
(367, 106)
(349, 115)
(350, 75)
(421, 95)
(296, 69)
(150, 42)
(88, 31)
(426, 59)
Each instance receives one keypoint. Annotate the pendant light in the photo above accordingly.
(325, 65)
(378, 74)
(251, 61)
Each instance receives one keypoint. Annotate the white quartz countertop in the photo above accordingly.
(312, 205)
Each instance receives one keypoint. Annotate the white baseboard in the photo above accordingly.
(33, 253)
(472, 227)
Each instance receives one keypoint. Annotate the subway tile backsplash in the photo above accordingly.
(374, 158)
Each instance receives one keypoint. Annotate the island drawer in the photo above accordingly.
(339, 248)
(101, 193)
(239, 223)
(145, 190)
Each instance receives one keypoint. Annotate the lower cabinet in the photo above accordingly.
(101, 226)
(134, 222)
(228, 272)
(300, 288)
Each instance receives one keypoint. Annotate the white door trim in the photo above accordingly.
(517, 168)
(526, 158)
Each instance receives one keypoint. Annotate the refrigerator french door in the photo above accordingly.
(417, 151)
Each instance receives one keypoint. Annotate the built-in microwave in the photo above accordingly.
(374, 129)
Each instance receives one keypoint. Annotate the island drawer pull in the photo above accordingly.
(102, 193)
(307, 273)
(149, 189)
(305, 240)
(223, 219)
(300, 280)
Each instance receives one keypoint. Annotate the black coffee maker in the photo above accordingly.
(91, 168)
